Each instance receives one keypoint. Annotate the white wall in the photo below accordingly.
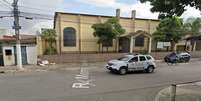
(8, 59)
(31, 54)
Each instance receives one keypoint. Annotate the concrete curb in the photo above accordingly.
(70, 66)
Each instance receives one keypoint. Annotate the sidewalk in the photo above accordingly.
(67, 66)
(188, 92)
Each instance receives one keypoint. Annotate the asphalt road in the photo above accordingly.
(103, 86)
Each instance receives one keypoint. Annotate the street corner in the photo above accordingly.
(184, 92)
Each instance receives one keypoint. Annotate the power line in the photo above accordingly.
(5, 5)
(5, 13)
(35, 8)
(7, 2)
(35, 16)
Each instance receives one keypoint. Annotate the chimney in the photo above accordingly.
(133, 15)
(118, 13)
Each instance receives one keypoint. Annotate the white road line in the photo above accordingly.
(82, 79)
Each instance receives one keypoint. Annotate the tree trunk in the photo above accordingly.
(194, 45)
(185, 49)
(116, 45)
(173, 46)
(102, 47)
(99, 48)
(167, 49)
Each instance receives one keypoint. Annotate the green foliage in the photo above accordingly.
(172, 7)
(49, 36)
(170, 30)
(158, 36)
(193, 26)
(108, 31)
(50, 51)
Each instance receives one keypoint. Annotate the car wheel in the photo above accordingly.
(122, 71)
(187, 60)
(150, 69)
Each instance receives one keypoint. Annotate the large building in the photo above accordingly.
(75, 34)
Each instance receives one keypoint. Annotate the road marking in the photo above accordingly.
(82, 79)
(79, 85)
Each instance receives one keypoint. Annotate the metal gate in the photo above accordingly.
(24, 55)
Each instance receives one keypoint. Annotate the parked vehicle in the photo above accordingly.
(132, 63)
(171, 58)
(177, 58)
(184, 57)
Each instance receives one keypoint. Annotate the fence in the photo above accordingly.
(101, 57)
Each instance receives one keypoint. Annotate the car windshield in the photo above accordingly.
(124, 58)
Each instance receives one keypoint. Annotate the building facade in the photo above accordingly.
(75, 35)
(8, 50)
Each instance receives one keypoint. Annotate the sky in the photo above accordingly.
(99, 7)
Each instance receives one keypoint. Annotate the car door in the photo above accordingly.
(142, 63)
(132, 65)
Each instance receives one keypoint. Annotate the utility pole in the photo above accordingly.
(173, 92)
(17, 33)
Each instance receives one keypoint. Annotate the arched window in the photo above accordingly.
(139, 41)
(69, 37)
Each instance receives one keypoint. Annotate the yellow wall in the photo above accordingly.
(84, 32)
(40, 48)
(145, 48)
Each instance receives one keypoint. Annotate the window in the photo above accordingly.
(69, 37)
(124, 58)
(139, 41)
(148, 57)
(135, 59)
(108, 44)
(8, 52)
(142, 58)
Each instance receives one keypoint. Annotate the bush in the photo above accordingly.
(50, 51)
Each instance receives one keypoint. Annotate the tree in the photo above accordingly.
(170, 30)
(49, 36)
(107, 31)
(193, 27)
(172, 7)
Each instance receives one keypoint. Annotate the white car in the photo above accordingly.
(132, 63)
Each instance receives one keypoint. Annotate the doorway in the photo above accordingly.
(124, 45)
(23, 53)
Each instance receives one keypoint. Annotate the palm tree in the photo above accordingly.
(193, 26)
(49, 36)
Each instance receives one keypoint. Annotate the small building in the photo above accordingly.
(8, 50)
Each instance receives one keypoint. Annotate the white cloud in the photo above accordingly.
(100, 3)
(143, 10)
(191, 12)
(48, 7)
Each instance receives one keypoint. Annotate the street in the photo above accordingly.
(57, 85)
